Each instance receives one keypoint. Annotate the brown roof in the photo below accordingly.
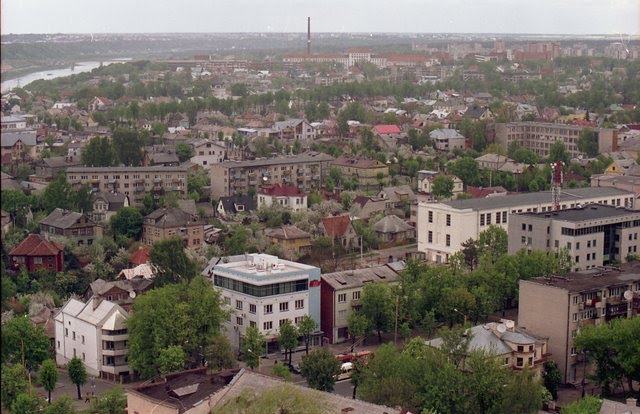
(287, 233)
(356, 162)
(36, 245)
(336, 226)
(141, 256)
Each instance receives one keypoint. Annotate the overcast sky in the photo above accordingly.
(421, 16)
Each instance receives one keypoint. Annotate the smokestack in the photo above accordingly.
(308, 35)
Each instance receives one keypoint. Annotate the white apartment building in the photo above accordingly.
(443, 227)
(264, 291)
(96, 332)
(208, 152)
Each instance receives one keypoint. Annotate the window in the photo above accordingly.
(530, 361)
(268, 309)
(577, 245)
(556, 244)
(37, 260)
(66, 331)
(504, 216)
(523, 239)
(239, 321)
(83, 339)
(430, 237)
(569, 246)
(283, 321)
(299, 303)
(575, 317)
(448, 219)
(519, 362)
(253, 324)
(520, 348)
(488, 219)
(530, 227)
(284, 306)
(342, 314)
(498, 217)
(342, 297)
(507, 360)
(430, 216)
(578, 259)
(83, 357)
(298, 319)
(573, 351)
(239, 304)
(482, 220)
(252, 308)
(448, 240)
(227, 300)
(356, 295)
(73, 335)
(267, 326)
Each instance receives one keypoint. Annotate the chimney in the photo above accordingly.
(632, 403)
(308, 35)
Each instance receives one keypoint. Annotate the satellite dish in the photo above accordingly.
(502, 328)
(628, 295)
(132, 294)
(509, 324)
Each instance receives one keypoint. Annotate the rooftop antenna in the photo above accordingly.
(308, 35)
(556, 184)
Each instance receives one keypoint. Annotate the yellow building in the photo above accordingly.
(364, 170)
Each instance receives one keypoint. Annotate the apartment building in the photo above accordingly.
(306, 171)
(364, 170)
(340, 294)
(208, 152)
(170, 222)
(539, 137)
(558, 307)
(96, 332)
(264, 291)
(134, 182)
(594, 235)
(443, 227)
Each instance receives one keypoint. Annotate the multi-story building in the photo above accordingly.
(443, 227)
(539, 137)
(264, 291)
(340, 294)
(134, 182)
(96, 332)
(307, 171)
(69, 224)
(285, 195)
(364, 170)
(558, 307)
(592, 236)
(36, 252)
(170, 222)
(208, 152)
(426, 177)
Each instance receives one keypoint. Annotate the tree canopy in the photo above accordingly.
(172, 262)
(320, 368)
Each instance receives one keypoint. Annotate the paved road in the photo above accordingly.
(64, 386)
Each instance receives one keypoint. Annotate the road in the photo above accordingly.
(64, 386)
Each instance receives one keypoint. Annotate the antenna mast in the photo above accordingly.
(308, 36)
(556, 184)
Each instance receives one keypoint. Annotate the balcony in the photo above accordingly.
(115, 351)
(617, 310)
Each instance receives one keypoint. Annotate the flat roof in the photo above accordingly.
(593, 279)
(540, 197)
(155, 168)
(586, 213)
(308, 157)
(263, 268)
(355, 278)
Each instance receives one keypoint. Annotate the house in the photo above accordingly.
(526, 110)
(18, 146)
(140, 256)
(208, 152)
(365, 171)
(177, 120)
(121, 292)
(292, 241)
(100, 103)
(12, 123)
(388, 135)
(169, 222)
(285, 195)
(8, 182)
(144, 271)
(478, 113)
(514, 347)
(69, 224)
(96, 332)
(36, 252)
(482, 192)
(492, 161)
(106, 205)
(447, 139)
(365, 206)
(48, 168)
(293, 129)
(341, 229)
(399, 195)
(426, 178)
(622, 167)
(161, 155)
(392, 229)
(228, 206)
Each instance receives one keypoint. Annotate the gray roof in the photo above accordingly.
(391, 224)
(514, 200)
(115, 200)
(62, 161)
(445, 134)
(587, 213)
(61, 218)
(99, 170)
(188, 206)
(287, 233)
(9, 139)
(168, 217)
(485, 338)
(307, 157)
(229, 203)
(359, 277)
(99, 286)
(592, 279)
(289, 123)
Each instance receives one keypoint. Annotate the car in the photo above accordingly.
(294, 368)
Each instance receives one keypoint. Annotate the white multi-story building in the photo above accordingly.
(286, 195)
(443, 227)
(264, 291)
(96, 332)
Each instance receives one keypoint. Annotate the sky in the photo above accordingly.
(614, 17)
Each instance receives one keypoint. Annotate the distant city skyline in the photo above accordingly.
(612, 17)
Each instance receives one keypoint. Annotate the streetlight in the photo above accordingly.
(463, 315)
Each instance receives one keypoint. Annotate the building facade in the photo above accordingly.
(443, 227)
(170, 222)
(36, 252)
(558, 307)
(364, 170)
(286, 195)
(71, 225)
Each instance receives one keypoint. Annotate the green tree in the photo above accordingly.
(219, 354)
(58, 194)
(466, 169)
(493, 242)
(587, 405)
(77, 373)
(442, 187)
(283, 399)
(8, 290)
(485, 382)
(48, 376)
(16, 203)
(377, 306)
(523, 393)
(172, 262)
(127, 222)
(238, 240)
(113, 401)
(251, 348)
(306, 327)
(184, 151)
(320, 368)
(288, 338)
(552, 378)
(14, 383)
(171, 359)
(23, 341)
(558, 152)
(99, 152)
(588, 142)
(455, 344)
(63, 405)
(281, 370)
(358, 326)
(26, 404)
(128, 145)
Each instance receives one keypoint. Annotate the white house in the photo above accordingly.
(286, 195)
(96, 332)
(426, 177)
(208, 152)
(13, 123)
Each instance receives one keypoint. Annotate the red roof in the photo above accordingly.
(141, 256)
(336, 226)
(387, 129)
(280, 190)
(36, 245)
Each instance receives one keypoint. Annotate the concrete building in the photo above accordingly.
(306, 171)
(539, 137)
(285, 195)
(622, 182)
(173, 222)
(264, 291)
(96, 332)
(594, 235)
(134, 182)
(340, 294)
(208, 152)
(443, 227)
(364, 170)
(447, 139)
(558, 307)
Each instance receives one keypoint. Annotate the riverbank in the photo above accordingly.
(26, 70)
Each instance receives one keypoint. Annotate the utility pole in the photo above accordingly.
(395, 331)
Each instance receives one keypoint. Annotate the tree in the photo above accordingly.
(127, 222)
(171, 359)
(588, 142)
(377, 306)
(77, 373)
(48, 376)
(16, 203)
(58, 194)
(218, 353)
(63, 405)
(184, 314)
(358, 326)
(99, 152)
(552, 378)
(523, 393)
(14, 383)
(587, 405)
(470, 253)
(184, 151)
(128, 144)
(113, 401)
(455, 344)
(442, 187)
(493, 242)
(306, 327)
(485, 382)
(558, 152)
(281, 370)
(288, 338)
(23, 341)
(251, 348)
(26, 404)
(173, 264)
(320, 368)
(466, 169)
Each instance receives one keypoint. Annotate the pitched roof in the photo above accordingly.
(170, 217)
(62, 219)
(336, 226)
(391, 224)
(36, 245)
(287, 233)
(387, 129)
(229, 203)
(141, 256)
(356, 162)
(115, 200)
(9, 139)
(281, 190)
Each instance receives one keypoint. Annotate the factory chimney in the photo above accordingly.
(308, 35)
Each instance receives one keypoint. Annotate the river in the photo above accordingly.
(23, 81)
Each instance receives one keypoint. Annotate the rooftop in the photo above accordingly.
(262, 267)
(155, 168)
(348, 279)
(587, 213)
(306, 157)
(593, 279)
